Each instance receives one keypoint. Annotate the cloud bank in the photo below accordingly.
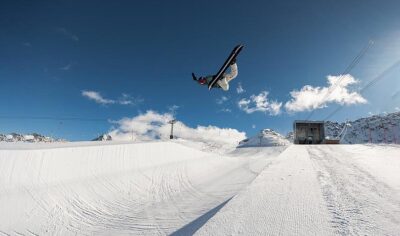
(154, 126)
(260, 103)
(310, 98)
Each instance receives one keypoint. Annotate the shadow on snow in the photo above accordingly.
(196, 224)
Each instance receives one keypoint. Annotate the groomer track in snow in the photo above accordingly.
(318, 190)
(161, 188)
(153, 188)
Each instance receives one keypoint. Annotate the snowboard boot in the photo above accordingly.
(223, 84)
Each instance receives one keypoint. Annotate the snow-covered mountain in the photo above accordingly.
(265, 138)
(374, 129)
(33, 138)
(103, 137)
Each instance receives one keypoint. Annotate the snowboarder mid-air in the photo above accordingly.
(222, 79)
(222, 83)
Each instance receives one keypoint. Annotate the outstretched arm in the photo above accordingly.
(194, 76)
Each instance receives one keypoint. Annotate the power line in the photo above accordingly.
(352, 64)
(371, 83)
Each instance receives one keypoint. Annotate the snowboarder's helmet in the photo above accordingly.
(202, 80)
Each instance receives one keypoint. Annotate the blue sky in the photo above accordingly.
(145, 51)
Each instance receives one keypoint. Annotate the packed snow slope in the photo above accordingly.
(97, 188)
(318, 190)
(162, 188)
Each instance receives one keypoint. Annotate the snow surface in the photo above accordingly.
(161, 188)
(152, 188)
(318, 190)
(359, 195)
(285, 199)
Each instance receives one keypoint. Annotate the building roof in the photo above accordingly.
(309, 121)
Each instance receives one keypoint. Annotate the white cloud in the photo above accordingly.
(226, 110)
(310, 98)
(96, 96)
(260, 103)
(68, 34)
(66, 67)
(396, 95)
(221, 100)
(240, 89)
(125, 99)
(172, 109)
(253, 126)
(397, 108)
(153, 125)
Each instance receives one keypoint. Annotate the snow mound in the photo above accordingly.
(265, 138)
(374, 129)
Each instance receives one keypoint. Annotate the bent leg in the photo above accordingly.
(223, 84)
(233, 73)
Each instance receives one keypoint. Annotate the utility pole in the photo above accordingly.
(394, 134)
(370, 135)
(260, 136)
(384, 136)
(398, 133)
(384, 131)
(172, 122)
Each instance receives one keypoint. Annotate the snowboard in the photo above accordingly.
(225, 66)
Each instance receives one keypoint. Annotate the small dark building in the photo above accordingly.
(308, 132)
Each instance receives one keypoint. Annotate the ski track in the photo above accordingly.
(284, 199)
(162, 188)
(117, 189)
(359, 203)
(318, 190)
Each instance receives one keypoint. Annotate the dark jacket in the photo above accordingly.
(209, 78)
